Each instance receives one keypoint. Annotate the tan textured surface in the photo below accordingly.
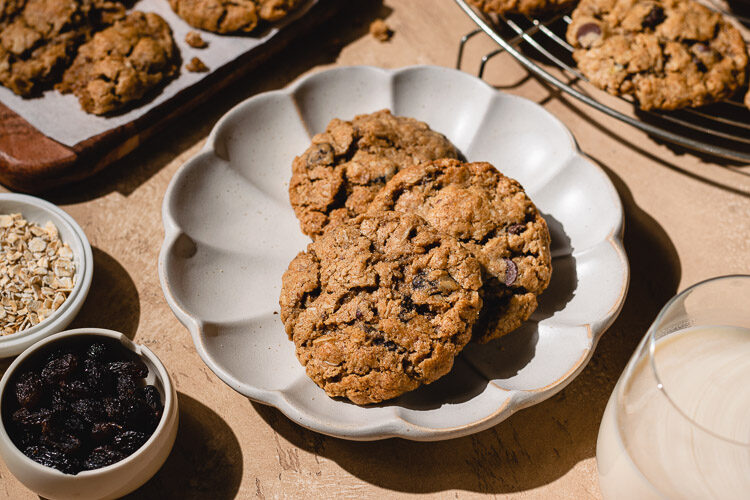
(686, 220)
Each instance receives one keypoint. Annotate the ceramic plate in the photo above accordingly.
(230, 234)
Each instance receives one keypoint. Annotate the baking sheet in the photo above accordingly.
(61, 117)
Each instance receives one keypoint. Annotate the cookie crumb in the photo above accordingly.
(380, 30)
(194, 39)
(196, 66)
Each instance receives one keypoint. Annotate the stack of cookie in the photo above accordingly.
(667, 54)
(415, 254)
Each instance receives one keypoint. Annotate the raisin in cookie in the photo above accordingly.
(528, 7)
(493, 218)
(218, 16)
(346, 166)
(668, 54)
(379, 305)
(122, 63)
(38, 38)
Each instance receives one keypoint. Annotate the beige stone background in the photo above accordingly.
(687, 218)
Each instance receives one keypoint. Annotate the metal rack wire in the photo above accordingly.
(721, 129)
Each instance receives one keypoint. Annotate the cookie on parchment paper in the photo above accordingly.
(232, 16)
(122, 63)
(39, 38)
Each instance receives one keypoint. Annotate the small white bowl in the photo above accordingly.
(40, 212)
(114, 480)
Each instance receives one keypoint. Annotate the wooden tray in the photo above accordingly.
(32, 162)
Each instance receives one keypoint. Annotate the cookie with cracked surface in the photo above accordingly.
(379, 305)
(491, 215)
(38, 38)
(528, 7)
(218, 16)
(668, 54)
(345, 167)
(122, 63)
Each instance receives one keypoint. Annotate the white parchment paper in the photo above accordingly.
(61, 117)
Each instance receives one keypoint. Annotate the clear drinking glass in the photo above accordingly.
(677, 424)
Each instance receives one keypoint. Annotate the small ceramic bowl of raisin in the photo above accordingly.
(86, 414)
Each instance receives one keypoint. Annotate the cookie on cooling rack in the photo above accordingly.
(379, 305)
(491, 215)
(345, 167)
(528, 7)
(668, 54)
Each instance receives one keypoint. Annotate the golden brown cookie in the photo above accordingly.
(491, 215)
(668, 54)
(122, 63)
(38, 38)
(379, 305)
(218, 16)
(346, 166)
(528, 7)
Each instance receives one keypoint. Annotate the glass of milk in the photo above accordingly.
(678, 422)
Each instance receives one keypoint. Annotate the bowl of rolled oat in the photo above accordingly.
(46, 266)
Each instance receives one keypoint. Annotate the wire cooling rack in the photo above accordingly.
(721, 130)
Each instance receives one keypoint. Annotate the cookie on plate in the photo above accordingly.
(38, 38)
(528, 7)
(491, 215)
(122, 63)
(218, 16)
(668, 54)
(379, 305)
(345, 167)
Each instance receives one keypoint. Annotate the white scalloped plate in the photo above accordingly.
(230, 234)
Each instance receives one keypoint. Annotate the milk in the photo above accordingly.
(687, 449)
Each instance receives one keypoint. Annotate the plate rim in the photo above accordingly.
(516, 400)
